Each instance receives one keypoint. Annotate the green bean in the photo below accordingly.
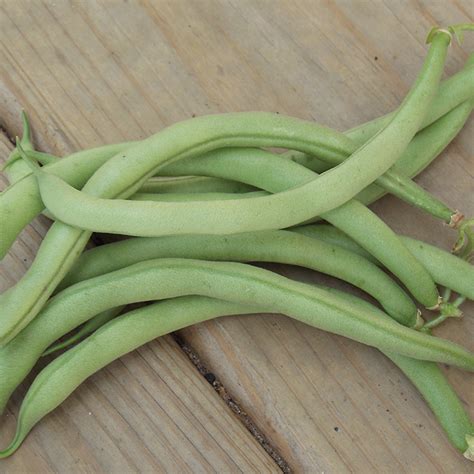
(128, 332)
(446, 269)
(433, 386)
(21, 203)
(236, 282)
(193, 184)
(441, 398)
(399, 184)
(274, 173)
(268, 246)
(85, 330)
(424, 147)
(397, 180)
(195, 197)
(146, 324)
(404, 188)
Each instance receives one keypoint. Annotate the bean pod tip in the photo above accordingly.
(469, 453)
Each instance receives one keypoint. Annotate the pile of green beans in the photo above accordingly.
(201, 201)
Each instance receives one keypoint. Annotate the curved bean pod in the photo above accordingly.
(433, 386)
(424, 147)
(85, 330)
(128, 332)
(407, 190)
(142, 325)
(236, 282)
(445, 268)
(269, 246)
(194, 184)
(195, 197)
(441, 398)
(21, 202)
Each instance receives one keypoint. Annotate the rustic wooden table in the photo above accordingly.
(250, 394)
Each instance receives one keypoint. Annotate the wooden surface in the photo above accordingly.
(91, 73)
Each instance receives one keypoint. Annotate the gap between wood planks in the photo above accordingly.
(7, 134)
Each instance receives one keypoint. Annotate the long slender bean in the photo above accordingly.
(269, 246)
(146, 324)
(236, 282)
(88, 328)
(194, 184)
(21, 202)
(446, 269)
(128, 332)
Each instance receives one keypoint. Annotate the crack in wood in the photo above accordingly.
(234, 405)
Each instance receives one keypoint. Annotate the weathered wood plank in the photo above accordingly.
(95, 73)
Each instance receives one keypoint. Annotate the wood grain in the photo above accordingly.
(91, 73)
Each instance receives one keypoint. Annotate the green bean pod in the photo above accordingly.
(193, 185)
(128, 332)
(85, 330)
(424, 147)
(432, 385)
(75, 365)
(445, 268)
(195, 197)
